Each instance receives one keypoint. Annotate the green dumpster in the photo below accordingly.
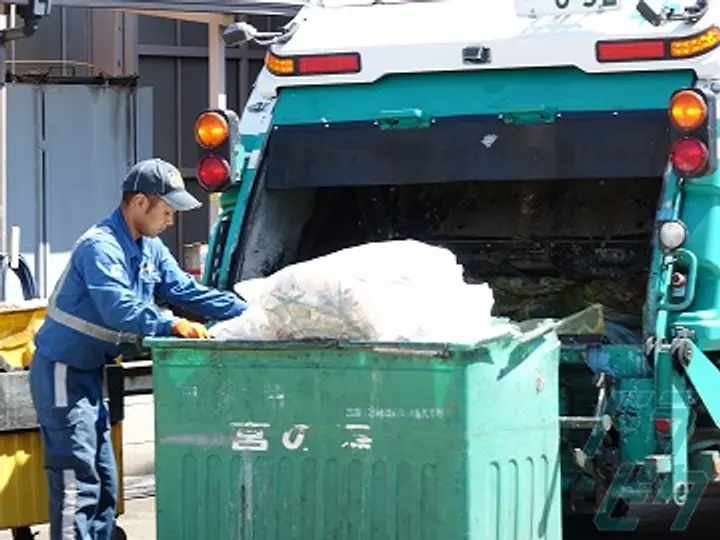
(326, 440)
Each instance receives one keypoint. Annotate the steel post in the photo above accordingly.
(217, 89)
(4, 23)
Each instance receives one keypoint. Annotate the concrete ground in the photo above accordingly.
(139, 436)
(139, 524)
(138, 521)
(654, 522)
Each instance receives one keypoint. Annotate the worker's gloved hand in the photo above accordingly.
(187, 329)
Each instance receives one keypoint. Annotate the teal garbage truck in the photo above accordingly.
(564, 150)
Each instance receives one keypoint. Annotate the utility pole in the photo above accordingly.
(4, 24)
(217, 89)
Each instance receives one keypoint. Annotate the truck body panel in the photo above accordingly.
(545, 168)
(387, 44)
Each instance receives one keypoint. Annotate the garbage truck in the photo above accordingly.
(564, 150)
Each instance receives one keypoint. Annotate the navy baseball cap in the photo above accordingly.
(158, 177)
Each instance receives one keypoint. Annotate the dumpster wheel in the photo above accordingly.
(119, 533)
(23, 533)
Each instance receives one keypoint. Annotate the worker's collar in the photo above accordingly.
(135, 249)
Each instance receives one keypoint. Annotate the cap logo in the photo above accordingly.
(175, 180)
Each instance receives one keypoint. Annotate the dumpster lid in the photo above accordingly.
(589, 321)
(518, 332)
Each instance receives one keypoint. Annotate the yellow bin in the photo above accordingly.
(23, 482)
(18, 324)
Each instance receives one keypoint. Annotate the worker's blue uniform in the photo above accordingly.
(103, 300)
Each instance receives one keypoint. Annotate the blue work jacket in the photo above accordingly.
(104, 300)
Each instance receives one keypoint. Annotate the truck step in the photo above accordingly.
(586, 422)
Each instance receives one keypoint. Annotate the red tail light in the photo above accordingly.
(628, 51)
(315, 64)
(667, 48)
(689, 155)
(212, 172)
(331, 63)
(663, 425)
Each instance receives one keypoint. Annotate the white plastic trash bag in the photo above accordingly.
(387, 291)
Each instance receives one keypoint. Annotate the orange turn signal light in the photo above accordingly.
(211, 129)
(688, 110)
(694, 45)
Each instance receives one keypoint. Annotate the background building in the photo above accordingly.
(168, 55)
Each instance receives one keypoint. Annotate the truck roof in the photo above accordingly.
(442, 35)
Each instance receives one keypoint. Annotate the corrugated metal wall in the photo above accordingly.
(67, 146)
(169, 56)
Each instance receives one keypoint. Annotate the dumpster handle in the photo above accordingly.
(444, 352)
(544, 328)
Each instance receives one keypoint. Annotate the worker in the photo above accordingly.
(103, 302)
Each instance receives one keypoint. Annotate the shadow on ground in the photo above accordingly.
(656, 520)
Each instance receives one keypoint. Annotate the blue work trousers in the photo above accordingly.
(79, 459)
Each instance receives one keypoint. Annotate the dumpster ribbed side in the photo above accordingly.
(514, 445)
(515, 492)
(261, 498)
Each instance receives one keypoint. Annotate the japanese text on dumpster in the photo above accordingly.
(254, 437)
